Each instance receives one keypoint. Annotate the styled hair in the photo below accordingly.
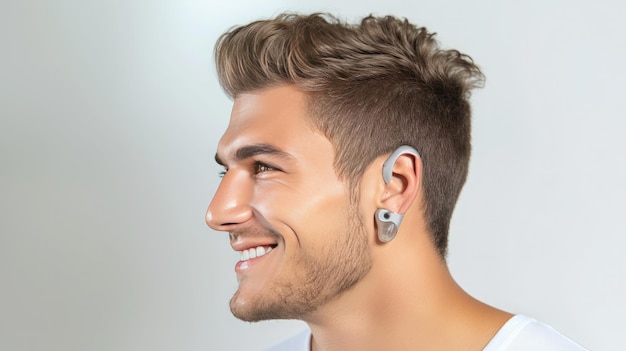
(371, 88)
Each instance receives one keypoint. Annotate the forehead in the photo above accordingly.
(275, 116)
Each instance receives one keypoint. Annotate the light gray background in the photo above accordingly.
(110, 115)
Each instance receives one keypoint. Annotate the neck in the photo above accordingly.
(408, 300)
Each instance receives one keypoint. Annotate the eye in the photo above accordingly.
(260, 167)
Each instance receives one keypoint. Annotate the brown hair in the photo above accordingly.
(372, 87)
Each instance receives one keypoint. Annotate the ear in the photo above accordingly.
(404, 184)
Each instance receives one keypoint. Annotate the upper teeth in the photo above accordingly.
(254, 252)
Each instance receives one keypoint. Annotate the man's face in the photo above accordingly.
(301, 238)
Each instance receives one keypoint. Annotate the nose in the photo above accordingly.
(231, 203)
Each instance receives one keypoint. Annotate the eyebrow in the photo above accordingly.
(254, 150)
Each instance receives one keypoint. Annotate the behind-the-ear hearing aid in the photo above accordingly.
(389, 222)
(391, 160)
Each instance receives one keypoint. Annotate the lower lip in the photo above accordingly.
(243, 266)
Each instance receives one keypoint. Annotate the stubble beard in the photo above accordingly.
(319, 277)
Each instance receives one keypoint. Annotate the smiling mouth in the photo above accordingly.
(255, 252)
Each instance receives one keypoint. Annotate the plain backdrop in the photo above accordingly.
(111, 112)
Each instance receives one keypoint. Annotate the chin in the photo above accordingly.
(249, 310)
(259, 309)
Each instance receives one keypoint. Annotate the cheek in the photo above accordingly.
(369, 222)
(310, 212)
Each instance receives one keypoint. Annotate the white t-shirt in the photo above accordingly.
(520, 333)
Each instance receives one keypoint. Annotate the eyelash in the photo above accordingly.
(258, 167)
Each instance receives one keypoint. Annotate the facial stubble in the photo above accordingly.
(319, 277)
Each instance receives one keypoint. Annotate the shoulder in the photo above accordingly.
(299, 342)
(522, 333)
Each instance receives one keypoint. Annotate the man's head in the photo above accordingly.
(318, 106)
(370, 88)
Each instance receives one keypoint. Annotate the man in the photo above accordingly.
(347, 148)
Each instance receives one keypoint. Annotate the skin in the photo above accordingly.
(271, 195)
(327, 266)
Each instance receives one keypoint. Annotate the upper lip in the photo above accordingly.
(240, 244)
(250, 236)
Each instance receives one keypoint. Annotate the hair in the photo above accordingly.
(371, 88)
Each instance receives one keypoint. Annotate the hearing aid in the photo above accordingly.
(388, 222)
(391, 160)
